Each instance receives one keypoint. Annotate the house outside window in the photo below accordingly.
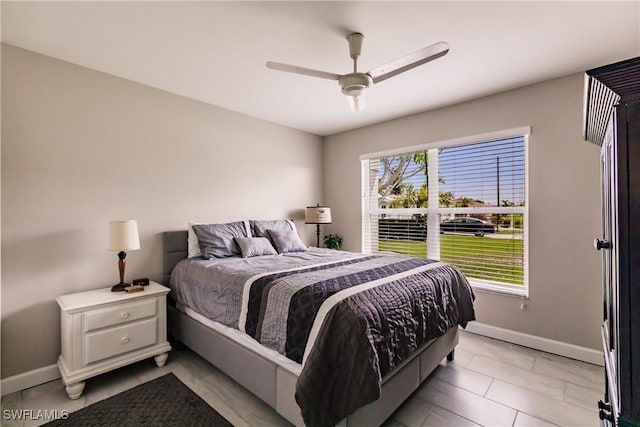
(478, 220)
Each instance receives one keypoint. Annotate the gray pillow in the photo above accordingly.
(259, 228)
(286, 241)
(216, 240)
(255, 246)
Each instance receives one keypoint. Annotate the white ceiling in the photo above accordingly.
(215, 52)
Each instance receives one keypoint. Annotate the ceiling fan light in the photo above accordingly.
(354, 85)
(357, 103)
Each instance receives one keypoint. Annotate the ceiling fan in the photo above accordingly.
(355, 84)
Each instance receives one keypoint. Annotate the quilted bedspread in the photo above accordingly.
(348, 318)
(352, 322)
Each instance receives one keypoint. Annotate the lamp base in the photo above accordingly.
(119, 287)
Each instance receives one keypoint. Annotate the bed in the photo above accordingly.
(290, 374)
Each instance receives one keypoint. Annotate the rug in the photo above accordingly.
(164, 401)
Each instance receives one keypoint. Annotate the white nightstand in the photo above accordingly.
(103, 330)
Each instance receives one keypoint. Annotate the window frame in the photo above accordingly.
(433, 208)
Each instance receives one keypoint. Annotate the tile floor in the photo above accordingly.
(490, 383)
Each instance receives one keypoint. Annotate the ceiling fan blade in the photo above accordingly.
(300, 70)
(410, 61)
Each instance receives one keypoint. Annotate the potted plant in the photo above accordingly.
(333, 241)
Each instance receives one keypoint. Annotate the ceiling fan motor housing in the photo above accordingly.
(355, 84)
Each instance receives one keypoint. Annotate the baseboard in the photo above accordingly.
(29, 379)
(572, 351)
(49, 373)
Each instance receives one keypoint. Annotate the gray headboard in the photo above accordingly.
(174, 249)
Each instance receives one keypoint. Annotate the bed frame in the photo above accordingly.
(276, 385)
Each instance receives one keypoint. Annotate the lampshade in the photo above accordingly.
(317, 215)
(123, 235)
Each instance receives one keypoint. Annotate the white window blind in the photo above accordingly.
(465, 204)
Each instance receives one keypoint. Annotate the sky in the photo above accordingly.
(471, 171)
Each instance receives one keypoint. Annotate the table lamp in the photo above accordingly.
(317, 215)
(123, 236)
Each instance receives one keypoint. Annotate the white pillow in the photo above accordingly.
(193, 248)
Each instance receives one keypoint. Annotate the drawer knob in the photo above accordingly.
(124, 314)
(125, 340)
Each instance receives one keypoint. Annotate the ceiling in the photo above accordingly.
(215, 52)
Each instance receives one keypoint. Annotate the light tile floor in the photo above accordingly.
(490, 383)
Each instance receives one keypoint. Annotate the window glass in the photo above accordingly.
(477, 221)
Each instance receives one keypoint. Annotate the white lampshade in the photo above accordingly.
(317, 215)
(123, 235)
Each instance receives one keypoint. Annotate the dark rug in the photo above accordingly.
(162, 402)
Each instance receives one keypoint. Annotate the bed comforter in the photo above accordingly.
(349, 319)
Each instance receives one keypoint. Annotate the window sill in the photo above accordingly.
(496, 288)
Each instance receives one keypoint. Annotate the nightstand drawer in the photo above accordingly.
(119, 340)
(112, 316)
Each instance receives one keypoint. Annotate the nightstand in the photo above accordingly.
(103, 330)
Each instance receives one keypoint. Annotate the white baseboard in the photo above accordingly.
(29, 379)
(49, 373)
(572, 351)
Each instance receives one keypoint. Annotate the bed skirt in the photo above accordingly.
(276, 385)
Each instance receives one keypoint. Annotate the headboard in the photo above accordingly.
(174, 249)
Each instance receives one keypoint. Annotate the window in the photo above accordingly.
(477, 222)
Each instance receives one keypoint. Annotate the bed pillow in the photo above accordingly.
(259, 228)
(216, 240)
(286, 241)
(193, 248)
(255, 246)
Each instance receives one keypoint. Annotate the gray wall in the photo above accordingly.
(564, 204)
(81, 148)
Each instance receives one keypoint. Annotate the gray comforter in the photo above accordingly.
(348, 318)
(214, 287)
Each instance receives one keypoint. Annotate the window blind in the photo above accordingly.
(465, 204)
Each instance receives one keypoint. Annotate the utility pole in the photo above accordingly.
(498, 187)
(498, 181)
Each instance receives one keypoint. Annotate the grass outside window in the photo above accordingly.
(492, 259)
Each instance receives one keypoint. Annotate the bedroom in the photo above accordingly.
(90, 134)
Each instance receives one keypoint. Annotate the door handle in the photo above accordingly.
(604, 412)
(601, 244)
